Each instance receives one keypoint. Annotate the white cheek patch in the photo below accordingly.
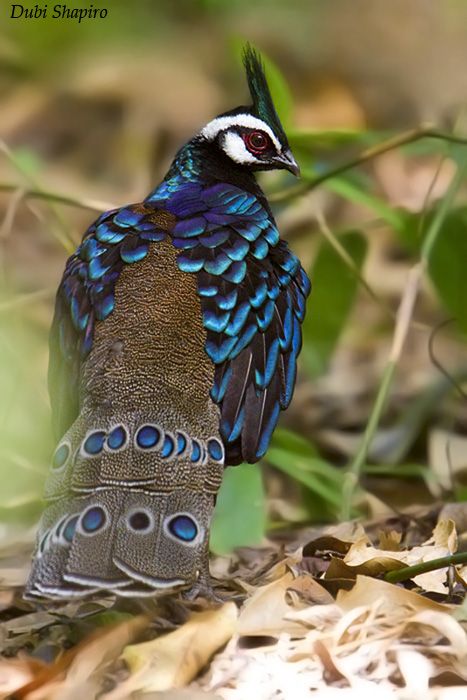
(212, 129)
(232, 144)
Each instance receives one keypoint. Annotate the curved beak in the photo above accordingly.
(287, 161)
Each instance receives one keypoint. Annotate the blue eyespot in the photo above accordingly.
(168, 446)
(215, 449)
(183, 528)
(61, 455)
(139, 521)
(93, 519)
(70, 528)
(195, 451)
(147, 436)
(94, 443)
(117, 438)
(181, 443)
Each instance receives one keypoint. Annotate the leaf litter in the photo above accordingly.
(298, 621)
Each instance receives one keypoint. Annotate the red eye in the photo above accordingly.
(256, 141)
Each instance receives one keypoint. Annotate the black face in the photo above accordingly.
(253, 147)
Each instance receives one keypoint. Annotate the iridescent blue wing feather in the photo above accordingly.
(86, 295)
(253, 293)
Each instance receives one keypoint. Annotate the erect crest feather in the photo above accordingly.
(263, 106)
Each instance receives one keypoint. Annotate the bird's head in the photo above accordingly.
(253, 136)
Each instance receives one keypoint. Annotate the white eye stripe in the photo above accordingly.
(234, 147)
(211, 130)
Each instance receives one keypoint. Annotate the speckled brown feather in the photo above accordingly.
(147, 365)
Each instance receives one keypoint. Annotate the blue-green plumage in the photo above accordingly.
(173, 350)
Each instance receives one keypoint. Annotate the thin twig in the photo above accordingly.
(61, 232)
(368, 154)
(81, 203)
(343, 254)
(9, 218)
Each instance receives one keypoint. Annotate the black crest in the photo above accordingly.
(263, 106)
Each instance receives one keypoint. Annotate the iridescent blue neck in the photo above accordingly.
(188, 163)
(200, 161)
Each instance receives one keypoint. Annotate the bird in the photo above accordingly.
(173, 350)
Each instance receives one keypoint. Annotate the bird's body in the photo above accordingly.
(173, 350)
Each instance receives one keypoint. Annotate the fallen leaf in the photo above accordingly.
(265, 612)
(390, 540)
(76, 674)
(368, 590)
(14, 673)
(362, 558)
(174, 659)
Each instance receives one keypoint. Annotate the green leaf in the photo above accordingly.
(447, 265)
(332, 298)
(317, 475)
(292, 442)
(351, 191)
(240, 515)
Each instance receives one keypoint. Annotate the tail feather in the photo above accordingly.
(130, 505)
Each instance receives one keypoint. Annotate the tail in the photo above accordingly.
(129, 509)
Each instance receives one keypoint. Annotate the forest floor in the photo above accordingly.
(315, 611)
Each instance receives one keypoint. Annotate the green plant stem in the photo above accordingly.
(408, 572)
(404, 316)
(352, 475)
(368, 154)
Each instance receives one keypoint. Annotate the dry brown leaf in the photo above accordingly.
(350, 531)
(390, 540)
(77, 673)
(456, 512)
(15, 673)
(173, 660)
(339, 569)
(447, 453)
(266, 611)
(366, 559)
(368, 590)
(444, 535)
(308, 590)
(327, 543)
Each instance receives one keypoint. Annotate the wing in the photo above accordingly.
(253, 292)
(86, 295)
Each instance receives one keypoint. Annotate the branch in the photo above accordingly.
(403, 139)
(81, 203)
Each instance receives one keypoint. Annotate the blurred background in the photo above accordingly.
(94, 112)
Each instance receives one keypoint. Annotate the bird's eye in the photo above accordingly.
(256, 141)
